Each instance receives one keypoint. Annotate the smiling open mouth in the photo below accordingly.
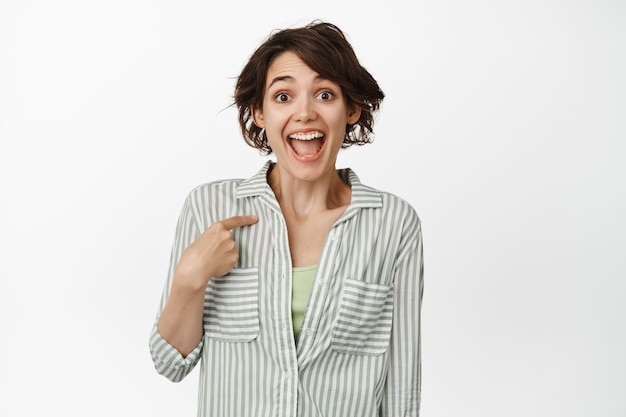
(306, 145)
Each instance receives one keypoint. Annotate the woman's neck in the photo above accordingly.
(299, 198)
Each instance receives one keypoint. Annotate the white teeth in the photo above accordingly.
(306, 136)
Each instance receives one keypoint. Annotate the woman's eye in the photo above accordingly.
(326, 95)
(282, 97)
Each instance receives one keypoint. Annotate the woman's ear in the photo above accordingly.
(354, 114)
(257, 117)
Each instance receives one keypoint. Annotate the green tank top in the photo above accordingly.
(303, 278)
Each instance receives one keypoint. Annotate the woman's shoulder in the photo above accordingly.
(391, 203)
(219, 184)
(399, 208)
(212, 201)
(230, 188)
(214, 190)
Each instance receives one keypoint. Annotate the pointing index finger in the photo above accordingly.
(239, 221)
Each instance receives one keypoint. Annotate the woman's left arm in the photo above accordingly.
(402, 390)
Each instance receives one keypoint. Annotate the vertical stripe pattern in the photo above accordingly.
(358, 353)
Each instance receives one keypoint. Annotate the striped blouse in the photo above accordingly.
(358, 353)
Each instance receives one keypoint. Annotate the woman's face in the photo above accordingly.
(304, 117)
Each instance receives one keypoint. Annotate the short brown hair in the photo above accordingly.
(325, 49)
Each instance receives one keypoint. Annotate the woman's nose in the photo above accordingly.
(305, 110)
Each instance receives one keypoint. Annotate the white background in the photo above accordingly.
(504, 125)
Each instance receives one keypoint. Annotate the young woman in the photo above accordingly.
(299, 289)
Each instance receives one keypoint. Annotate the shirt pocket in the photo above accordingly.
(364, 319)
(231, 306)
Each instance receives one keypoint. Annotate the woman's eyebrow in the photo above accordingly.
(290, 78)
(280, 78)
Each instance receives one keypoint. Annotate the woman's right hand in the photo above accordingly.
(213, 254)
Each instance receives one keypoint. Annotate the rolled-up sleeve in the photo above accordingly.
(168, 361)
